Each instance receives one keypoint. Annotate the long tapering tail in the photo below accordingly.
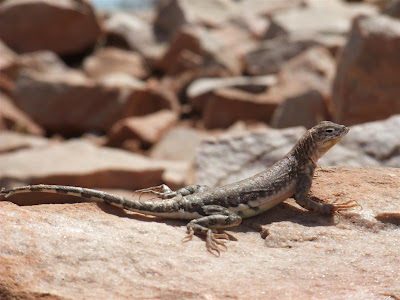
(147, 207)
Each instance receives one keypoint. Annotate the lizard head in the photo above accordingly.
(326, 134)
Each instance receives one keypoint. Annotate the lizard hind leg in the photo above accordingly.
(217, 217)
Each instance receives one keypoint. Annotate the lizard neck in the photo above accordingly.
(306, 150)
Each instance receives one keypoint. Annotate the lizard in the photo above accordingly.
(212, 209)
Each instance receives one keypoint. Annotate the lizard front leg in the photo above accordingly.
(302, 189)
(216, 217)
(163, 191)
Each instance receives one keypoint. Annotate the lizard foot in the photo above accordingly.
(161, 191)
(214, 245)
(345, 205)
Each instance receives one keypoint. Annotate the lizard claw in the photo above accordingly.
(346, 205)
(189, 236)
(214, 245)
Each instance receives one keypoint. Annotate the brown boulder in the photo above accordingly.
(367, 83)
(66, 27)
(223, 107)
(68, 102)
(112, 60)
(149, 99)
(147, 129)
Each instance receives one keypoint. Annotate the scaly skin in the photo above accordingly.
(210, 209)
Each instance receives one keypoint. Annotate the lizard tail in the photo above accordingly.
(134, 205)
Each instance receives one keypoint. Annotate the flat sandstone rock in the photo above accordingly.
(85, 250)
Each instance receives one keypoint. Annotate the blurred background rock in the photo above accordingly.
(160, 81)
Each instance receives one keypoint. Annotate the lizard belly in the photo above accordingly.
(261, 204)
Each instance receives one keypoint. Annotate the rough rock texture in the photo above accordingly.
(80, 163)
(12, 118)
(25, 25)
(146, 129)
(88, 250)
(232, 157)
(367, 89)
(112, 60)
(370, 144)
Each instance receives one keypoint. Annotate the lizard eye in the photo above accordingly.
(329, 130)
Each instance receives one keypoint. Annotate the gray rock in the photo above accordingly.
(232, 158)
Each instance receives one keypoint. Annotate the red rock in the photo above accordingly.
(223, 107)
(149, 99)
(366, 90)
(81, 163)
(12, 118)
(68, 102)
(196, 48)
(112, 60)
(84, 249)
(25, 25)
(147, 129)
